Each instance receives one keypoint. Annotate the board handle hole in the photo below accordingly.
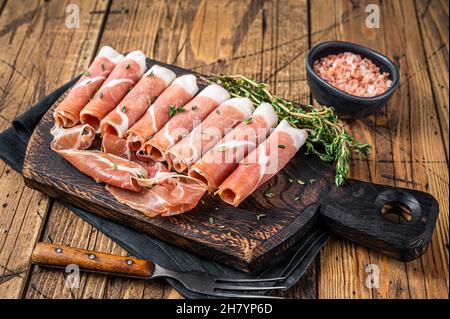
(396, 212)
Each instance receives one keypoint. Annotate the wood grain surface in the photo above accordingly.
(264, 39)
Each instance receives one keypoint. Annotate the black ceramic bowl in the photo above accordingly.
(348, 106)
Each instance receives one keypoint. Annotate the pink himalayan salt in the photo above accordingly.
(353, 74)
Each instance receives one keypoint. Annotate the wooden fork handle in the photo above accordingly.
(54, 255)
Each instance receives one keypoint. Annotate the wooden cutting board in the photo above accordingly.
(262, 227)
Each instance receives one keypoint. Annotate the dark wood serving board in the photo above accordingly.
(236, 236)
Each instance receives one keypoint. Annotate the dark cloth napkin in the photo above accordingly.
(292, 264)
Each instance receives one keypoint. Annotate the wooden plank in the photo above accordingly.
(38, 54)
(398, 157)
(433, 22)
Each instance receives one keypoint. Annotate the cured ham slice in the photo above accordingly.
(204, 136)
(263, 163)
(184, 119)
(67, 113)
(165, 194)
(124, 76)
(115, 145)
(181, 91)
(218, 163)
(107, 168)
(79, 137)
(137, 101)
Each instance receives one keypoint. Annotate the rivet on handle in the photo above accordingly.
(92, 256)
(58, 250)
(129, 262)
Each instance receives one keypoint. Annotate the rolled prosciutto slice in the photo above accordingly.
(115, 145)
(137, 101)
(263, 163)
(78, 137)
(218, 163)
(67, 113)
(204, 136)
(165, 194)
(107, 168)
(181, 91)
(184, 120)
(121, 80)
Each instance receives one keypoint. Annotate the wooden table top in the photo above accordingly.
(266, 40)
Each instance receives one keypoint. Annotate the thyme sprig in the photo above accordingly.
(327, 137)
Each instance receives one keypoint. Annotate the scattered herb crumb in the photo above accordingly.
(269, 195)
(296, 198)
(248, 120)
(300, 182)
(193, 107)
(100, 95)
(222, 148)
(128, 66)
(114, 165)
(103, 67)
(150, 74)
(86, 73)
(311, 181)
(290, 180)
(218, 111)
(211, 220)
(281, 146)
(124, 108)
(259, 216)
(202, 201)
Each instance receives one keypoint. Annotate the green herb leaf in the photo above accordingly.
(281, 146)
(150, 74)
(128, 66)
(218, 111)
(114, 165)
(86, 73)
(140, 176)
(174, 109)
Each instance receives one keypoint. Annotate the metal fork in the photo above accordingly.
(58, 256)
